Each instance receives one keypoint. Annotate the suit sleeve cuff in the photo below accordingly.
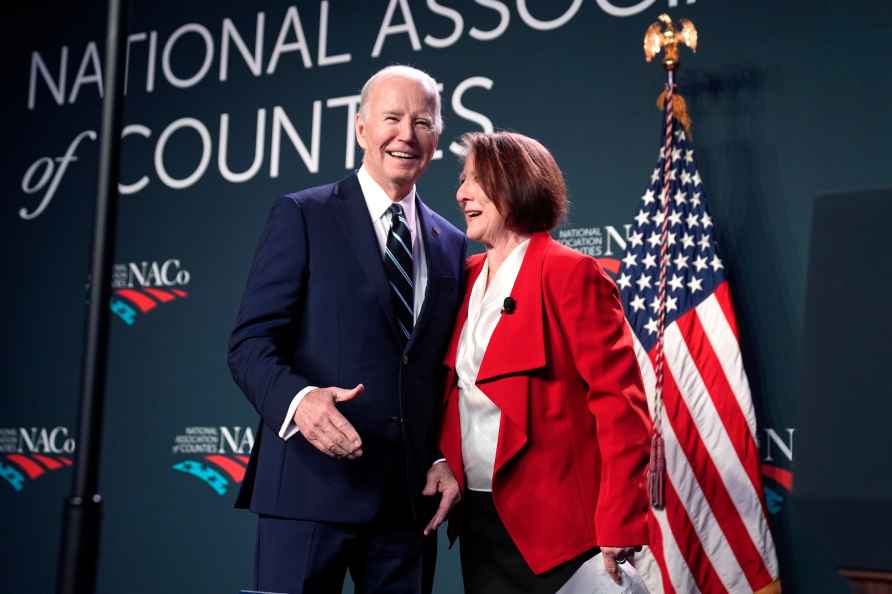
(289, 428)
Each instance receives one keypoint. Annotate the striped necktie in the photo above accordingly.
(398, 266)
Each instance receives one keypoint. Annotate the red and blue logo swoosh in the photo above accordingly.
(217, 471)
(130, 304)
(17, 469)
(778, 486)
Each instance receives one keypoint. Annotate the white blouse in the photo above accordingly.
(479, 416)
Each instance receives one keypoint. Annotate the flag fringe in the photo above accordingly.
(679, 110)
(772, 588)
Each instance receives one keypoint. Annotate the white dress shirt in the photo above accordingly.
(378, 203)
(480, 418)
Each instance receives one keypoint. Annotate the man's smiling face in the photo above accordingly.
(398, 133)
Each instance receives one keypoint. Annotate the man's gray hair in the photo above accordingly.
(405, 72)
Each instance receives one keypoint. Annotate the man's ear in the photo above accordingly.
(359, 126)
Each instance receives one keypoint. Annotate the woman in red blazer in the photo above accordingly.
(545, 425)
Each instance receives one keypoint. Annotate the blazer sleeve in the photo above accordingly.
(601, 344)
(262, 344)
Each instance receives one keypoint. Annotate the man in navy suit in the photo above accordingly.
(339, 346)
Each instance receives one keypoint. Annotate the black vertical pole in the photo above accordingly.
(79, 552)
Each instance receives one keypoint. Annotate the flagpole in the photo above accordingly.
(657, 452)
(663, 35)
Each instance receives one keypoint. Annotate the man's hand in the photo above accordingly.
(613, 556)
(440, 480)
(318, 420)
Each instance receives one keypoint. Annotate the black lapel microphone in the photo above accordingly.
(509, 305)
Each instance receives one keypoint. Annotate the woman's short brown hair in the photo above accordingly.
(521, 178)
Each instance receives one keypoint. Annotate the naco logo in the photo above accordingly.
(140, 287)
(605, 243)
(216, 455)
(31, 452)
(777, 459)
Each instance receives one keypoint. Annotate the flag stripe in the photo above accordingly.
(714, 315)
(697, 486)
(723, 397)
(729, 492)
(699, 562)
(676, 577)
(723, 295)
(695, 527)
(747, 499)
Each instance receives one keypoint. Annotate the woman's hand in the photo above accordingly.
(440, 480)
(613, 556)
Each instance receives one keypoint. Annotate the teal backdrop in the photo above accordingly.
(231, 104)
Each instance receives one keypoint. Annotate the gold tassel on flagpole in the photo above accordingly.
(679, 110)
(664, 36)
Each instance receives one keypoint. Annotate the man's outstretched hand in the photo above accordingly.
(319, 421)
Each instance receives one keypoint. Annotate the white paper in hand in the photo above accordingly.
(592, 578)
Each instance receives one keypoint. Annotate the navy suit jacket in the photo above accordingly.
(317, 310)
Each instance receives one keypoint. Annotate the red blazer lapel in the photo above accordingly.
(518, 344)
(517, 347)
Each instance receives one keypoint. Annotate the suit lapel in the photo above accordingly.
(434, 257)
(353, 216)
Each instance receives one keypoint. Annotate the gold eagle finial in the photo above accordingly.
(663, 34)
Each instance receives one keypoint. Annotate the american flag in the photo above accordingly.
(712, 535)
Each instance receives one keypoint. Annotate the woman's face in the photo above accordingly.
(484, 222)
